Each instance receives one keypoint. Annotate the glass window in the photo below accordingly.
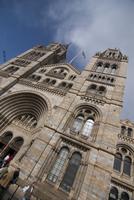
(11, 69)
(78, 123)
(129, 132)
(6, 137)
(17, 143)
(117, 162)
(127, 166)
(58, 165)
(71, 171)
(114, 67)
(88, 126)
(123, 130)
(113, 195)
(99, 67)
(93, 87)
(106, 68)
(124, 196)
(102, 90)
(4, 140)
(113, 71)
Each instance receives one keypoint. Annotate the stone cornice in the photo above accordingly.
(122, 184)
(42, 87)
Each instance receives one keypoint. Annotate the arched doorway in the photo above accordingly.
(11, 149)
(5, 139)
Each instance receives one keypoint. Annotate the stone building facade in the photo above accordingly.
(63, 126)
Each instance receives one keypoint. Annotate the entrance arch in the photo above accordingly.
(18, 104)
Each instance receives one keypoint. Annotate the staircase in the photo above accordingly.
(45, 191)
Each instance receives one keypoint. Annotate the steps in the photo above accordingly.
(46, 191)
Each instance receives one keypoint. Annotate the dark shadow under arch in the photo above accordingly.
(16, 104)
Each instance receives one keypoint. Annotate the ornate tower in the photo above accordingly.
(64, 125)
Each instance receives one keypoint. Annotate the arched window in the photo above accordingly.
(123, 160)
(94, 77)
(91, 76)
(71, 171)
(72, 77)
(102, 90)
(99, 67)
(123, 130)
(83, 122)
(127, 166)
(42, 70)
(113, 69)
(103, 78)
(53, 82)
(117, 162)
(34, 77)
(12, 148)
(112, 80)
(92, 88)
(4, 139)
(108, 80)
(113, 195)
(34, 55)
(62, 85)
(99, 78)
(124, 196)
(47, 81)
(88, 126)
(16, 144)
(69, 86)
(129, 132)
(11, 69)
(59, 72)
(78, 123)
(106, 68)
(58, 165)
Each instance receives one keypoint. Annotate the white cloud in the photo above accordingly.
(97, 25)
(91, 25)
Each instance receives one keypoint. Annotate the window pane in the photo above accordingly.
(99, 67)
(113, 195)
(117, 162)
(88, 127)
(106, 70)
(6, 137)
(129, 133)
(58, 165)
(124, 196)
(123, 130)
(127, 166)
(113, 71)
(78, 124)
(71, 171)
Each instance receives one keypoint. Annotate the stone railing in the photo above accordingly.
(126, 138)
(93, 98)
